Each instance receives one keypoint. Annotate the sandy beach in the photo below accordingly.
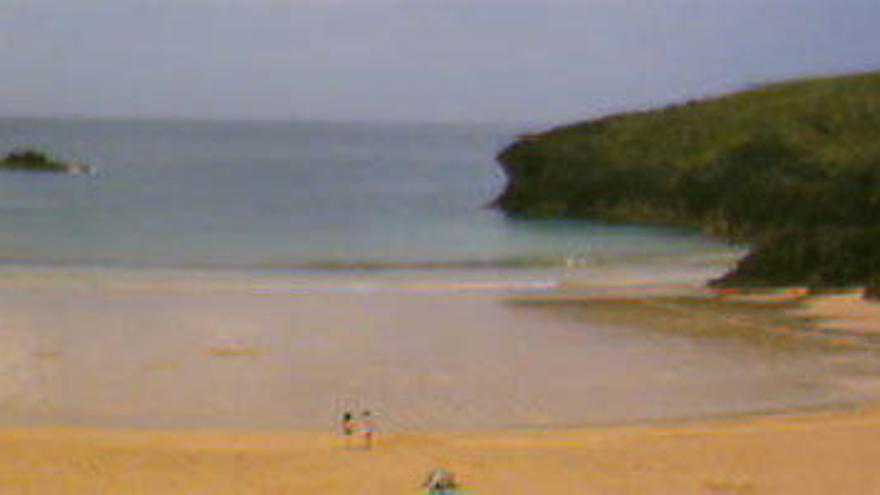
(176, 350)
(167, 420)
(846, 312)
(818, 453)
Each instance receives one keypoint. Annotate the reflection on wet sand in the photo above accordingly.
(131, 350)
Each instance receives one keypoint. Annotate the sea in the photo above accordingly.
(276, 274)
(292, 197)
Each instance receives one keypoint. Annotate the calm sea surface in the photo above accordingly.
(287, 196)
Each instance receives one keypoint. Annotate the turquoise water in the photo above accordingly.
(287, 196)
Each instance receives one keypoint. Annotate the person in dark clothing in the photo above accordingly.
(348, 427)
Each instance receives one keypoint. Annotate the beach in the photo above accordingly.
(816, 453)
(428, 352)
(196, 388)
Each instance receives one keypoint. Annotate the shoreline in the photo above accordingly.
(807, 450)
(693, 352)
(844, 312)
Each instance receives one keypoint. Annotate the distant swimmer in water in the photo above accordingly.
(369, 428)
(348, 427)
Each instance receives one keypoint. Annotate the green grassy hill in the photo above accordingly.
(792, 167)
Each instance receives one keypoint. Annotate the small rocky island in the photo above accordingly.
(35, 161)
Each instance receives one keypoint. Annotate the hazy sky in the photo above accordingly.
(447, 60)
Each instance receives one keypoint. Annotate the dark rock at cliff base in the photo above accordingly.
(815, 257)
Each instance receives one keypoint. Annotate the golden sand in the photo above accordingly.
(846, 312)
(821, 453)
(816, 453)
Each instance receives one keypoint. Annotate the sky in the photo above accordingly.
(515, 61)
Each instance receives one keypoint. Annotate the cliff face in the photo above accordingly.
(793, 168)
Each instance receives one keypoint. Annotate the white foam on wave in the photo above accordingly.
(427, 287)
(195, 281)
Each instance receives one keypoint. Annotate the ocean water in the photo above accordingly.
(289, 196)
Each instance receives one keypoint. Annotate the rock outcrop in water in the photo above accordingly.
(792, 168)
(35, 161)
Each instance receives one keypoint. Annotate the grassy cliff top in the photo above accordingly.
(836, 119)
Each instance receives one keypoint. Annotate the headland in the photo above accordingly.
(792, 168)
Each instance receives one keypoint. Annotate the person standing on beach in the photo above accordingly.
(368, 428)
(348, 427)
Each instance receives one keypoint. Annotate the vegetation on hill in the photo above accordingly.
(793, 168)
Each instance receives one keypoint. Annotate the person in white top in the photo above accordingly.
(369, 428)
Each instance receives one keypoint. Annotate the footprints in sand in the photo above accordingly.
(229, 347)
(729, 487)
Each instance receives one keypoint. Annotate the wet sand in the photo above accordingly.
(175, 385)
(443, 352)
(846, 312)
(819, 453)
